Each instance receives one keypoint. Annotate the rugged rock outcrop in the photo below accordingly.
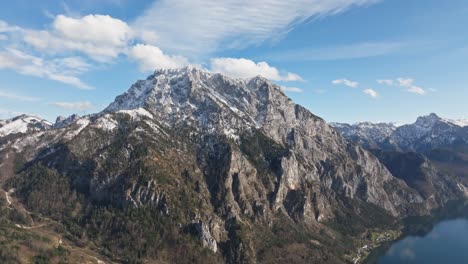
(233, 162)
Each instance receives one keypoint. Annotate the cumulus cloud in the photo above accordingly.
(371, 92)
(406, 83)
(291, 89)
(74, 105)
(245, 68)
(202, 26)
(56, 70)
(99, 36)
(150, 58)
(346, 82)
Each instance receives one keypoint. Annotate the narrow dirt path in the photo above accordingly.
(7, 196)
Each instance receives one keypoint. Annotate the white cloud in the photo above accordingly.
(202, 26)
(98, 29)
(372, 93)
(385, 81)
(416, 89)
(74, 105)
(13, 96)
(245, 68)
(291, 89)
(406, 83)
(3, 37)
(5, 27)
(99, 36)
(150, 58)
(346, 82)
(55, 70)
(342, 52)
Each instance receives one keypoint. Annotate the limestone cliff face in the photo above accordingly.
(231, 161)
(316, 154)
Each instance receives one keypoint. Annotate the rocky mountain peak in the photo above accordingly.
(204, 99)
(428, 120)
(23, 124)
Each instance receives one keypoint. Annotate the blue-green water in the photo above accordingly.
(447, 242)
(441, 237)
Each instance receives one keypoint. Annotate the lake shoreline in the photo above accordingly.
(420, 227)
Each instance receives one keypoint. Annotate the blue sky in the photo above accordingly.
(345, 60)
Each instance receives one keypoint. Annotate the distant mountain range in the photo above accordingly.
(430, 154)
(189, 166)
(428, 132)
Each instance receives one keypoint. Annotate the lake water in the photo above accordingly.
(440, 239)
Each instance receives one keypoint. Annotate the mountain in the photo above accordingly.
(23, 124)
(366, 134)
(188, 166)
(430, 155)
(428, 132)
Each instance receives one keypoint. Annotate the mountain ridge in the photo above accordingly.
(228, 161)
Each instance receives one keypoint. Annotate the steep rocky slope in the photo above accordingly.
(366, 134)
(428, 132)
(429, 155)
(189, 166)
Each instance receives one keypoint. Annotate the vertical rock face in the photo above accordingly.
(314, 154)
(233, 161)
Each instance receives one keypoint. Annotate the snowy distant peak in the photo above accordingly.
(429, 131)
(432, 119)
(458, 122)
(23, 124)
(428, 120)
(366, 133)
(62, 121)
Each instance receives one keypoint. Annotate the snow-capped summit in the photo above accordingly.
(23, 124)
(368, 134)
(207, 100)
(62, 121)
(429, 131)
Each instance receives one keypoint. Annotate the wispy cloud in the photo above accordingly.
(6, 113)
(13, 96)
(74, 105)
(203, 26)
(406, 83)
(291, 89)
(385, 81)
(56, 70)
(343, 52)
(371, 92)
(245, 68)
(346, 82)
